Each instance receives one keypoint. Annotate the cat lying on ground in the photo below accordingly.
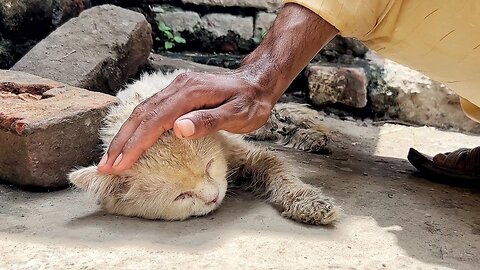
(176, 179)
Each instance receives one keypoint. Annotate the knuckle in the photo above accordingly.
(150, 116)
(185, 77)
(138, 112)
(190, 84)
(182, 77)
(145, 127)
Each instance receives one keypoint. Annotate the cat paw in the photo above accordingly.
(309, 140)
(315, 211)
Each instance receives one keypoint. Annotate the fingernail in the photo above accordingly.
(186, 126)
(118, 160)
(103, 161)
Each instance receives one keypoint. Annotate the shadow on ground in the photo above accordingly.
(392, 218)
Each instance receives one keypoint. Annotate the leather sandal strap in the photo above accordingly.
(456, 158)
(473, 160)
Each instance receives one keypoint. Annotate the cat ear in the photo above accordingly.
(102, 185)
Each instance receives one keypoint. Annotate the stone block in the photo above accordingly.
(261, 4)
(179, 20)
(263, 21)
(167, 64)
(332, 84)
(221, 24)
(46, 129)
(412, 97)
(99, 50)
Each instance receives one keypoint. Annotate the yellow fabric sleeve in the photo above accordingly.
(438, 38)
(362, 19)
(470, 109)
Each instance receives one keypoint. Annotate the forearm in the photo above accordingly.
(238, 102)
(296, 36)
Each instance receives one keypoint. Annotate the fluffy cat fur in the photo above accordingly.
(293, 125)
(176, 179)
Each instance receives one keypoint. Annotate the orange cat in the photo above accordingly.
(176, 179)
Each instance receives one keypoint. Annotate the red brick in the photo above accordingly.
(332, 84)
(44, 136)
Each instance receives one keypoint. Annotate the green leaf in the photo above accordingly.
(163, 27)
(168, 45)
(168, 34)
(179, 39)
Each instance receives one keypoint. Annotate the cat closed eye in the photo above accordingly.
(184, 195)
(208, 167)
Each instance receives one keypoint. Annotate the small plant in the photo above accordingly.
(258, 39)
(170, 39)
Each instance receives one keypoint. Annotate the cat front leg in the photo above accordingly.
(296, 126)
(309, 140)
(269, 177)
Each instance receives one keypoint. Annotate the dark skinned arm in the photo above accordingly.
(240, 101)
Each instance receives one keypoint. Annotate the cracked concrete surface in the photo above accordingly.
(392, 218)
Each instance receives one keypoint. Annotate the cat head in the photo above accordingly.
(173, 180)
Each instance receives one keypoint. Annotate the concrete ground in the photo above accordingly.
(392, 218)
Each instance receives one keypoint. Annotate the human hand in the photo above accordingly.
(194, 105)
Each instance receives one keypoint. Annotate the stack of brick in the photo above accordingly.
(49, 123)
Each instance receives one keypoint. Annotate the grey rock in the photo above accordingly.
(228, 61)
(99, 50)
(167, 64)
(179, 20)
(221, 24)
(263, 21)
(262, 4)
(332, 84)
(412, 97)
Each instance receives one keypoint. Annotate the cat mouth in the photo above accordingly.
(189, 194)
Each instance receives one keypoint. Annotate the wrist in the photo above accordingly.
(294, 39)
(264, 75)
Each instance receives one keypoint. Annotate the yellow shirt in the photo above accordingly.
(439, 38)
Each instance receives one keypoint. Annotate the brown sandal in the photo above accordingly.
(460, 165)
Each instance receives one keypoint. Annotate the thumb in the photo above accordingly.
(200, 123)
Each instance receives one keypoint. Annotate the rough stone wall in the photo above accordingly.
(221, 32)
(217, 25)
(25, 22)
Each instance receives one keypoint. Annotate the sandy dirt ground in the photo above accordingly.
(392, 218)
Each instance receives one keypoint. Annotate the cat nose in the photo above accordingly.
(209, 200)
(214, 200)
